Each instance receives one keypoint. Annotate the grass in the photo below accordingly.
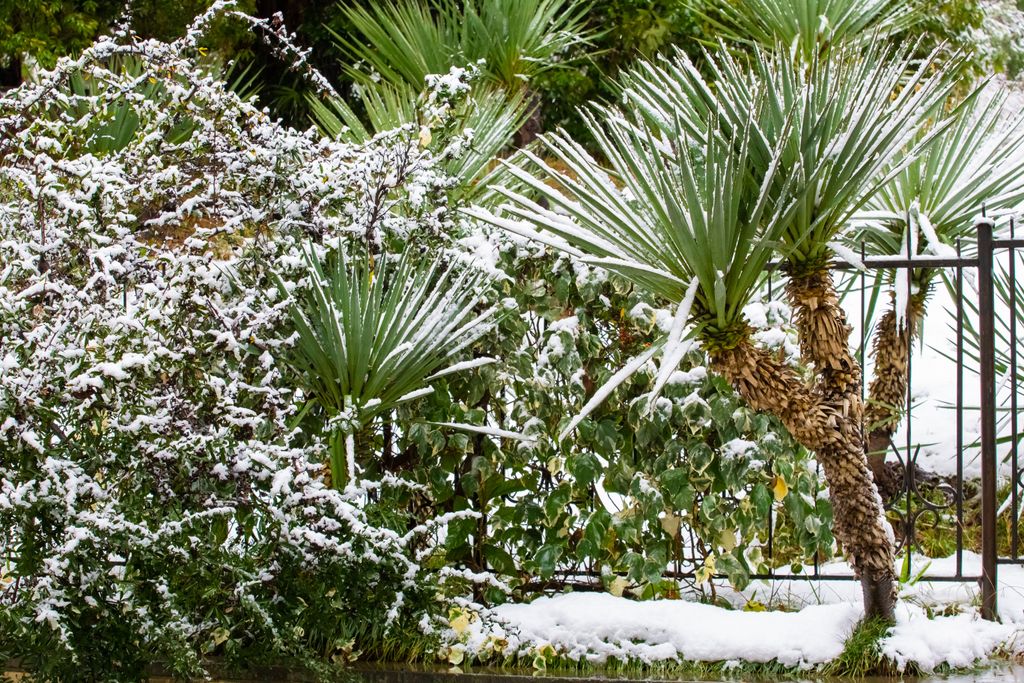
(862, 655)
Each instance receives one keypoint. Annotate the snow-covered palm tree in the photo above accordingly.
(708, 183)
(927, 208)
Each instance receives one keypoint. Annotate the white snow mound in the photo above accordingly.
(598, 626)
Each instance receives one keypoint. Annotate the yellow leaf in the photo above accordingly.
(220, 635)
(425, 136)
(780, 488)
(617, 586)
(707, 570)
(727, 539)
(670, 523)
(456, 655)
(459, 620)
(152, 80)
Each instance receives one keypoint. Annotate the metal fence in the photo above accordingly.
(944, 499)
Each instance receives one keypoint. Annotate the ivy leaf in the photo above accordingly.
(585, 468)
(546, 559)
(500, 560)
(779, 487)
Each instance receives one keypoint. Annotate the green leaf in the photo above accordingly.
(585, 468)
(546, 559)
(500, 560)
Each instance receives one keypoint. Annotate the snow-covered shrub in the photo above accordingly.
(693, 485)
(157, 501)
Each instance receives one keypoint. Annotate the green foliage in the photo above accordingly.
(807, 27)
(684, 214)
(837, 122)
(48, 29)
(862, 655)
(481, 128)
(931, 204)
(406, 41)
(953, 27)
(631, 492)
(624, 31)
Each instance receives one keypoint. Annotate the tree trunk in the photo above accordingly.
(859, 522)
(887, 395)
(10, 73)
(768, 385)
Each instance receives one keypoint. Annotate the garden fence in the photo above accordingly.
(997, 437)
(977, 513)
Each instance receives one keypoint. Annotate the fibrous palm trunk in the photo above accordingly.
(887, 395)
(825, 418)
(859, 522)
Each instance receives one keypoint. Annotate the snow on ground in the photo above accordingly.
(598, 626)
(958, 641)
(807, 625)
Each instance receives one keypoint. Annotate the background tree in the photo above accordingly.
(45, 30)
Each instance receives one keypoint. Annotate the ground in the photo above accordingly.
(938, 626)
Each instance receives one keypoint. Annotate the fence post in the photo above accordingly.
(986, 327)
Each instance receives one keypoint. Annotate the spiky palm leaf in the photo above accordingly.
(660, 214)
(369, 340)
(975, 162)
(406, 40)
(840, 119)
(807, 26)
(487, 117)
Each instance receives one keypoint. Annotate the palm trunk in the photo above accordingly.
(887, 395)
(534, 124)
(859, 522)
(769, 385)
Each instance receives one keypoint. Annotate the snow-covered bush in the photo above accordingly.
(157, 501)
(694, 485)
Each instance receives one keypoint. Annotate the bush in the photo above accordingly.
(157, 502)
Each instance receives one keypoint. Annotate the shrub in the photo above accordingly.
(157, 502)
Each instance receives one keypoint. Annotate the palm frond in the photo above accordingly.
(370, 340)
(660, 214)
(840, 120)
(974, 162)
(807, 27)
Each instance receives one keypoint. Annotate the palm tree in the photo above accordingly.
(807, 26)
(404, 41)
(372, 335)
(772, 159)
(926, 208)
